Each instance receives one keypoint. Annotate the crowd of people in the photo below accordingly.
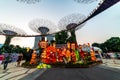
(6, 58)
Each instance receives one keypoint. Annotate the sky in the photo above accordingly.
(98, 29)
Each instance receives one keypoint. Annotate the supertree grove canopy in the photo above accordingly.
(70, 21)
(42, 26)
(9, 32)
(6, 29)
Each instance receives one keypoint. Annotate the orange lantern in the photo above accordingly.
(68, 45)
(33, 58)
(73, 46)
(43, 44)
(93, 58)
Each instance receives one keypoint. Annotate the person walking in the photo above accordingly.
(112, 55)
(1, 59)
(20, 57)
(7, 59)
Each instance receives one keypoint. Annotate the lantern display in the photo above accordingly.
(51, 54)
(33, 58)
(93, 58)
(68, 45)
(68, 55)
(42, 44)
(73, 46)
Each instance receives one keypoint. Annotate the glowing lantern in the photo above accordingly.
(68, 45)
(73, 46)
(42, 44)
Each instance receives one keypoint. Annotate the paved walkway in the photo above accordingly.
(20, 73)
(110, 63)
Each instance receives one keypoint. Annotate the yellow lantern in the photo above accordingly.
(68, 45)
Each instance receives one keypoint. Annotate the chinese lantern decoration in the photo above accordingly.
(73, 46)
(51, 54)
(42, 44)
(93, 58)
(33, 59)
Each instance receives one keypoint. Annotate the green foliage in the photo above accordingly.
(96, 44)
(12, 49)
(61, 38)
(112, 44)
(7, 48)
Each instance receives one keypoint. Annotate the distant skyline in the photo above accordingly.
(98, 29)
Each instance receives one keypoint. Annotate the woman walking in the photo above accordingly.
(20, 57)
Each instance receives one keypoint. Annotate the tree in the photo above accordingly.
(61, 38)
(96, 44)
(113, 44)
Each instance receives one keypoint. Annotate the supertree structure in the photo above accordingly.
(85, 1)
(43, 27)
(10, 31)
(29, 1)
(69, 24)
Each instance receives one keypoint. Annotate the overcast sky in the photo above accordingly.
(98, 29)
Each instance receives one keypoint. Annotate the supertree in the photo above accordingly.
(69, 23)
(29, 1)
(10, 31)
(43, 27)
(85, 1)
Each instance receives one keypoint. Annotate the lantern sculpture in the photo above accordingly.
(93, 57)
(33, 58)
